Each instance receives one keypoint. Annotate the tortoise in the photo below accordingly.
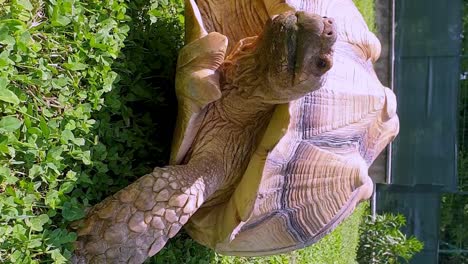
(305, 167)
(310, 169)
(288, 60)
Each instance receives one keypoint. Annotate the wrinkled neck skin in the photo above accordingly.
(232, 126)
(243, 88)
(241, 108)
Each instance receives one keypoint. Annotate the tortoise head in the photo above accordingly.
(294, 53)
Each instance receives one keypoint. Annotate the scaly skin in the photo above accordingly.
(136, 222)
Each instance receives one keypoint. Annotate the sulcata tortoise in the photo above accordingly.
(250, 178)
(310, 168)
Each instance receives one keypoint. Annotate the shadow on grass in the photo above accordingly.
(182, 249)
(136, 124)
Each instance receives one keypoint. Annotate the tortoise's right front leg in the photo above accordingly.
(136, 222)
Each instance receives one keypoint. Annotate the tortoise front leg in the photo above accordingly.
(136, 222)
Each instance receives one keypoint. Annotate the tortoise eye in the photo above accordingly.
(322, 64)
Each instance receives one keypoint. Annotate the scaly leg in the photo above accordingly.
(136, 222)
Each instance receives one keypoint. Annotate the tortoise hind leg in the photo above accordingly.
(136, 222)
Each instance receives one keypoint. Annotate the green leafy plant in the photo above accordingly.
(383, 242)
(454, 219)
(83, 102)
(453, 240)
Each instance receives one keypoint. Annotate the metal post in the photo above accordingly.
(373, 203)
(388, 172)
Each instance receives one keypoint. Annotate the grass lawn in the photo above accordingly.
(367, 8)
(338, 247)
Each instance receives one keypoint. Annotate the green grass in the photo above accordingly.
(367, 9)
(338, 247)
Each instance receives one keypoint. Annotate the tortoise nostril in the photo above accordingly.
(329, 28)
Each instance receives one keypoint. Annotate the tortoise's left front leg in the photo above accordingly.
(136, 222)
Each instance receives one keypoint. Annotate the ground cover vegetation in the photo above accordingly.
(77, 98)
(86, 106)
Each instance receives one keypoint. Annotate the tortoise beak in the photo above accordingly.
(319, 26)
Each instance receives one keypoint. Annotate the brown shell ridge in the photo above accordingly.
(329, 108)
(287, 204)
(353, 139)
(339, 218)
(349, 136)
(306, 130)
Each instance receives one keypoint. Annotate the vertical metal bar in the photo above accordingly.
(388, 171)
(462, 112)
(374, 203)
(463, 102)
(429, 87)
